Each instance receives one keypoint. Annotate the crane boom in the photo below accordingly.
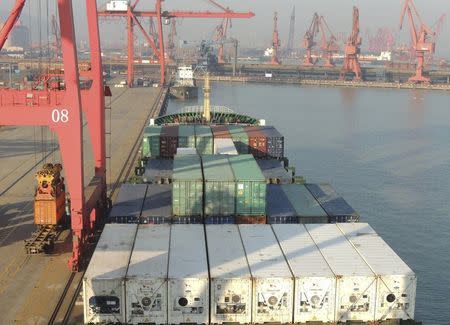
(11, 21)
(308, 39)
(328, 44)
(420, 38)
(275, 41)
(352, 49)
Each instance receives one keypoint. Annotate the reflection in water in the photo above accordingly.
(416, 109)
(348, 96)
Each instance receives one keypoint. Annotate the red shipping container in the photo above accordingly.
(168, 141)
(250, 219)
(220, 132)
(257, 141)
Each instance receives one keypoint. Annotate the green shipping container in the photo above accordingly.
(204, 141)
(219, 186)
(240, 138)
(150, 141)
(307, 209)
(187, 191)
(250, 186)
(186, 136)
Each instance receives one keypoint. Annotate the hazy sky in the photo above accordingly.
(257, 31)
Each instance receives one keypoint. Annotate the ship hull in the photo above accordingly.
(184, 92)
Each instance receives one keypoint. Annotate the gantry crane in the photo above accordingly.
(275, 41)
(220, 36)
(132, 16)
(61, 110)
(57, 36)
(420, 38)
(328, 42)
(171, 41)
(11, 21)
(308, 40)
(352, 49)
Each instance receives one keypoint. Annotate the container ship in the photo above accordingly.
(218, 228)
(184, 87)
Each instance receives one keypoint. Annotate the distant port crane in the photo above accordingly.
(127, 10)
(275, 41)
(352, 49)
(328, 42)
(308, 40)
(420, 38)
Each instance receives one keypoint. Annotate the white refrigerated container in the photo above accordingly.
(356, 283)
(188, 294)
(396, 287)
(230, 278)
(103, 282)
(146, 278)
(315, 283)
(224, 146)
(273, 283)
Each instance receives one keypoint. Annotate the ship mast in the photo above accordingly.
(206, 106)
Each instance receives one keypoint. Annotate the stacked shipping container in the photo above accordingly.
(273, 286)
(186, 136)
(230, 277)
(250, 186)
(355, 283)
(151, 141)
(261, 141)
(103, 289)
(188, 276)
(334, 205)
(146, 277)
(239, 137)
(219, 186)
(279, 273)
(293, 203)
(187, 193)
(396, 282)
(168, 141)
(314, 280)
(128, 206)
(204, 141)
(157, 207)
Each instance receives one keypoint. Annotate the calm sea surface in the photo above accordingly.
(386, 151)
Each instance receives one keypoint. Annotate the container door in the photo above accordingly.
(355, 298)
(315, 297)
(273, 300)
(396, 297)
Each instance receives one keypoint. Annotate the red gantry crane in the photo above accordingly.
(132, 16)
(61, 110)
(352, 49)
(420, 38)
(328, 42)
(11, 21)
(308, 40)
(275, 41)
(220, 36)
(171, 41)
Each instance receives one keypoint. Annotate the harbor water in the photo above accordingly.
(387, 152)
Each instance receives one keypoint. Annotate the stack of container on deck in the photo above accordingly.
(248, 273)
(187, 191)
(219, 189)
(250, 189)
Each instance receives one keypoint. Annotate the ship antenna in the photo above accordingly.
(206, 106)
